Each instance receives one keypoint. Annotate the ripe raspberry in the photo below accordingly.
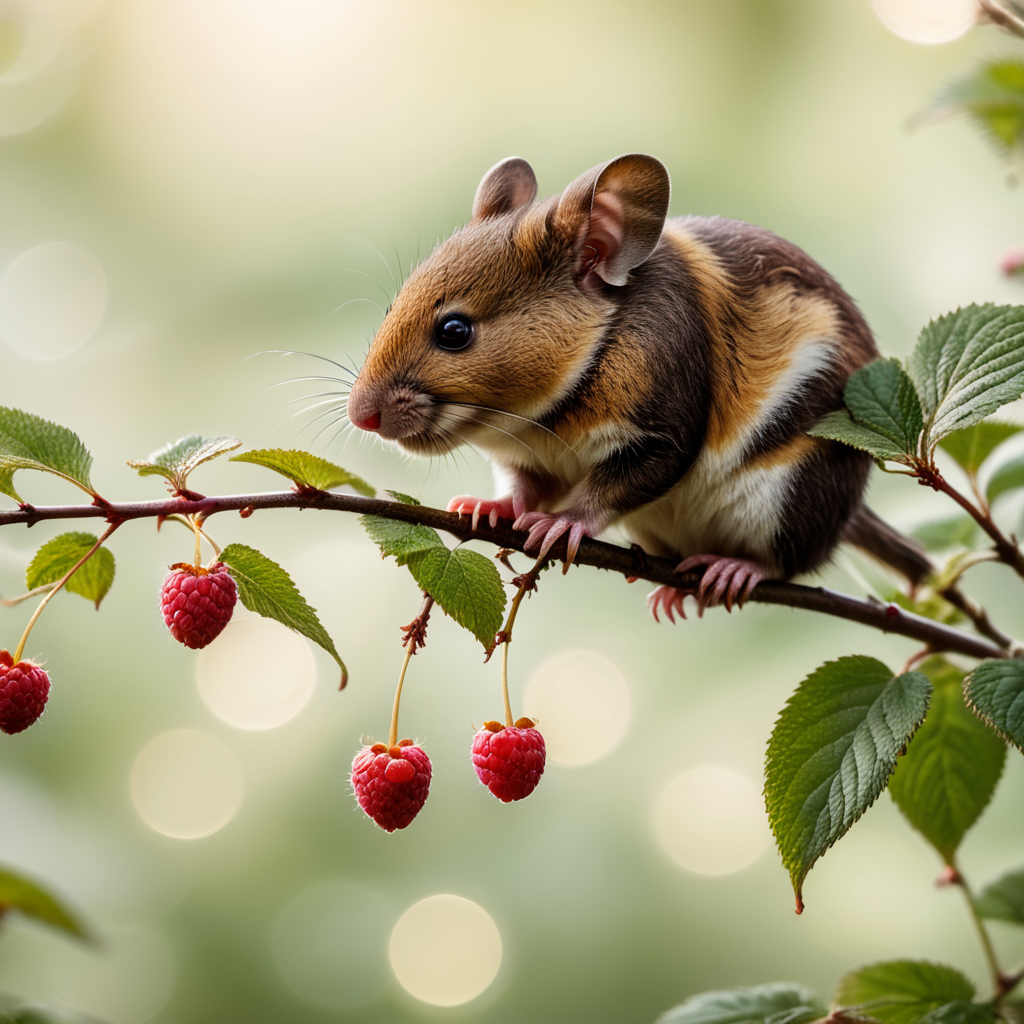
(391, 784)
(197, 603)
(509, 760)
(23, 691)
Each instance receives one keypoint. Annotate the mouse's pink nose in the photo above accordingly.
(371, 422)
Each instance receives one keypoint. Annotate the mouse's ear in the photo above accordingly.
(505, 187)
(615, 214)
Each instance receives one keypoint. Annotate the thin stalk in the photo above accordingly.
(60, 583)
(998, 978)
(526, 583)
(509, 721)
(10, 602)
(410, 650)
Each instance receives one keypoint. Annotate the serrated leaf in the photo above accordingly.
(967, 364)
(951, 768)
(30, 442)
(401, 540)
(175, 461)
(1007, 477)
(992, 96)
(466, 585)
(56, 557)
(405, 499)
(832, 751)
(973, 445)
(305, 469)
(881, 397)
(1003, 899)
(26, 897)
(995, 691)
(838, 426)
(265, 588)
(960, 1012)
(902, 991)
(953, 531)
(754, 1005)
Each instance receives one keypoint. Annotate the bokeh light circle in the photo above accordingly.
(445, 950)
(186, 784)
(711, 820)
(52, 300)
(328, 945)
(928, 21)
(581, 703)
(258, 675)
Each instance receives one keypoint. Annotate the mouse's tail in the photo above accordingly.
(875, 536)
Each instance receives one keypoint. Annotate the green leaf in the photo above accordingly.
(29, 442)
(967, 364)
(265, 588)
(309, 471)
(961, 1012)
(995, 691)
(1008, 477)
(57, 556)
(951, 768)
(902, 991)
(955, 531)
(402, 540)
(838, 426)
(1003, 899)
(466, 585)
(881, 397)
(176, 461)
(26, 897)
(405, 499)
(973, 445)
(832, 752)
(754, 1005)
(992, 96)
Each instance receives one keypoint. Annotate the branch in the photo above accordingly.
(631, 563)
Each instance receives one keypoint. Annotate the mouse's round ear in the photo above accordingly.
(505, 187)
(615, 214)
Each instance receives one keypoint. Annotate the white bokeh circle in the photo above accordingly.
(258, 675)
(445, 950)
(928, 22)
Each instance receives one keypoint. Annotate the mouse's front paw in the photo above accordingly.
(725, 580)
(494, 509)
(545, 528)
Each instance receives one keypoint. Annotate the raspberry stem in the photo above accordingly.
(60, 583)
(415, 636)
(393, 735)
(525, 583)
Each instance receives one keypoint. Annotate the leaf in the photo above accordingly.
(265, 588)
(403, 498)
(56, 557)
(402, 540)
(954, 531)
(961, 1012)
(992, 96)
(1008, 477)
(754, 1005)
(995, 691)
(466, 585)
(838, 426)
(1003, 899)
(29, 442)
(832, 751)
(902, 991)
(951, 768)
(881, 397)
(305, 469)
(973, 445)
(176, 461)
(967, 364)
(28, 898)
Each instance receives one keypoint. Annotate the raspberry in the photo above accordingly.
(391, 784)
(23, 691)
(197, 603)
(509, 760)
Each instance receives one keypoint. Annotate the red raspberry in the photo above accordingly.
(509, 760)
(391, 784)
(23, 691)
(197, 603)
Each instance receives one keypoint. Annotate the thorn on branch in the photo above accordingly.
(502, 556)
(246, 512)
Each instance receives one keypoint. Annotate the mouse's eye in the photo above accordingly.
(453, 332)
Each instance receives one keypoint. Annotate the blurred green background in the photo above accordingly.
(231, 166)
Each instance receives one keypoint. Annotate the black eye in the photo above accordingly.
(453, 332)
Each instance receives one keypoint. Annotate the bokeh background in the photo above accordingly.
(184, 183)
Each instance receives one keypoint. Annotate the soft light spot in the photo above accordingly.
(581, 704)
(329, 943)
(928, 21)
(52, 300)
(711, 820)
(258, 675)
(445, 950)
(186, 784)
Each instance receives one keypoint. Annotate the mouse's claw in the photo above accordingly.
(669, 600)
(467, 505)
(545, 528)
(725, 580)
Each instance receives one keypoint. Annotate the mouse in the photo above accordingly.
(620, 366)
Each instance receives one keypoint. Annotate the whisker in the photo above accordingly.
(334, 407)
(356, 238)
(296, 380)
(349, 302)
(378, 284)
(295, 352)
(318, 394)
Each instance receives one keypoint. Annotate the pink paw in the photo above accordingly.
(546, 528)
(669, 600)
(726, 580)
(499, 508)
